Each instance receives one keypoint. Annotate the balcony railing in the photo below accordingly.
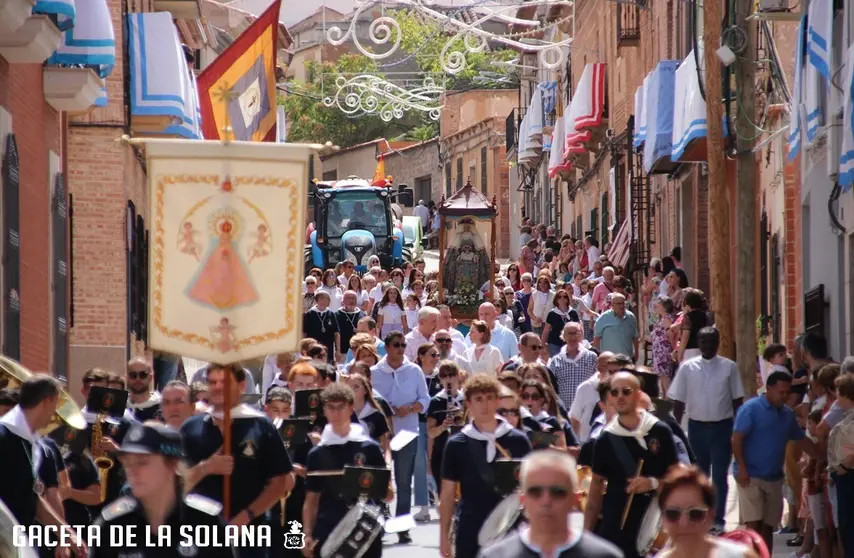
(628, 22)
(514, 122)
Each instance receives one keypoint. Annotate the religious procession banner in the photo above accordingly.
(227, 252)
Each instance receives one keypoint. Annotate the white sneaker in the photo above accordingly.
(423, 514)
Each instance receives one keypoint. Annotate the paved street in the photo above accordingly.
(425, 538)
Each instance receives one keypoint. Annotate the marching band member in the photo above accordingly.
(261, 466)
(607, 414)
(142, 402)
(279, 403)
(151, 454)
(549, 484)
(634, 450)
(687, 501)
(369, 412)
(467, 459)
(342, 443)
(21, 489)
(536, 397)
(439, 420)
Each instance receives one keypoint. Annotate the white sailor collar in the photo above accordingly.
(237, 412)
(153, 399)
(16, 422)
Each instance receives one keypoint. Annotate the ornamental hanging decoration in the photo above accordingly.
(385, 30)
(370, 94)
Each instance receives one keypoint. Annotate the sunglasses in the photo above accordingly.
(398, 345)
(535, 347)
(138, 375)
(556, 492)
(447, 376)
(508, 412)
(695, 515)
(443, 340)
(434, 354)
(625, 392)
(532, 396)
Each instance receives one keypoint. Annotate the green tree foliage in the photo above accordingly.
(309, 120)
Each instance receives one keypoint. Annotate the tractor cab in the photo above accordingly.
(354, 221)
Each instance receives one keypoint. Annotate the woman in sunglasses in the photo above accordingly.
(541, 374)
(540, 402)
(687, 500)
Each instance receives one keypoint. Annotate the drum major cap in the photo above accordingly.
(153, 440)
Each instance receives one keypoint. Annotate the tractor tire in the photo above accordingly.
(309, 260)
(406, 255)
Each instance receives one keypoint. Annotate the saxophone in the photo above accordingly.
(102, 461)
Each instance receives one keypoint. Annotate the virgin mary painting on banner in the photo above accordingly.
(227, 256)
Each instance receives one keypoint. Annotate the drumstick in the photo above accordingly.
(631, 497)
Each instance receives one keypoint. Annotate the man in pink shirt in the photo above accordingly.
(603, 289)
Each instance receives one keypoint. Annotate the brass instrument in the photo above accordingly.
(102, 461)
(12, 375)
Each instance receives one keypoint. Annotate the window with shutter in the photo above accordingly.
(11, 251)
(594, 225)
(59, 237)
(460, 182)
(483, 165)
(448, 190)
(133, 286)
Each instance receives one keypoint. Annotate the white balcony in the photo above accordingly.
(73, 90)
(33, 43)
(13, 14)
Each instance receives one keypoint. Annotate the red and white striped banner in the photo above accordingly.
(620, 246)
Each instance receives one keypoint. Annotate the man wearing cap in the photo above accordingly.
(259, 467)
(151, 454)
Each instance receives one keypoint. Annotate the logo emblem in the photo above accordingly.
(108, 400)
(290, 430)
(294, 538)
(313, 400)
(135, 434)
(359, 459)
(249, 449)
(654, 445)
(70, 434)
(366, 480)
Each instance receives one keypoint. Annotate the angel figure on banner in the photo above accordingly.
(466, 265)
(187, 241)
(263, 244)
(223, 336)
(223, 281)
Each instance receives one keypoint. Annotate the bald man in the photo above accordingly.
(502, 339)
(631, 455)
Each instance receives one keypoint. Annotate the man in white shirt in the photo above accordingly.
(446, 322)
(422, 212)
(444, 343)
(593, 252)
(428, 322)
(530, 349)
(502, 338)
(587, 397)
(709, 388)
(275, 372)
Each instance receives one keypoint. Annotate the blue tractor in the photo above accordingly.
(354, 221)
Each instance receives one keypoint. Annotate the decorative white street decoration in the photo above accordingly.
(386, 29)
(369, 94)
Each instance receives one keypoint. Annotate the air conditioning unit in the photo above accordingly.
(773, 5)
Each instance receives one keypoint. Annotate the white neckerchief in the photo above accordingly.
(237, 412)
(542, 415)
(525, 413)
(387, 368)
(330, 438)
(561, 313)
(153, 399)
(647, 421)
(502, 428)
(367, 410)
(17, 423)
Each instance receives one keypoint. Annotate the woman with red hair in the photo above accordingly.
(687, 501)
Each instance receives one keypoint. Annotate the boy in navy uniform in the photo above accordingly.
(468, 457)
(342, 443)
(151, 454)
(259, 467)
(439, 420)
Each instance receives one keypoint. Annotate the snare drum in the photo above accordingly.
(353, 536)
(651, 537)
(504, 518)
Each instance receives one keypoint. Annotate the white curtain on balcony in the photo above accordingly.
(588, 104)
(556, 158)
(91, 42)
(659, 111)
(689, 107)
(846, 162)
(797, 89)
(161, 82)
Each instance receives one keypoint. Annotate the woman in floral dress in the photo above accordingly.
(662, 361)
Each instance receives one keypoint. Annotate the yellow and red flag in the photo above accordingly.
(238, 89)
(380, 178)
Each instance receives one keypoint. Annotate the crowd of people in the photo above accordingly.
(550, 373)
